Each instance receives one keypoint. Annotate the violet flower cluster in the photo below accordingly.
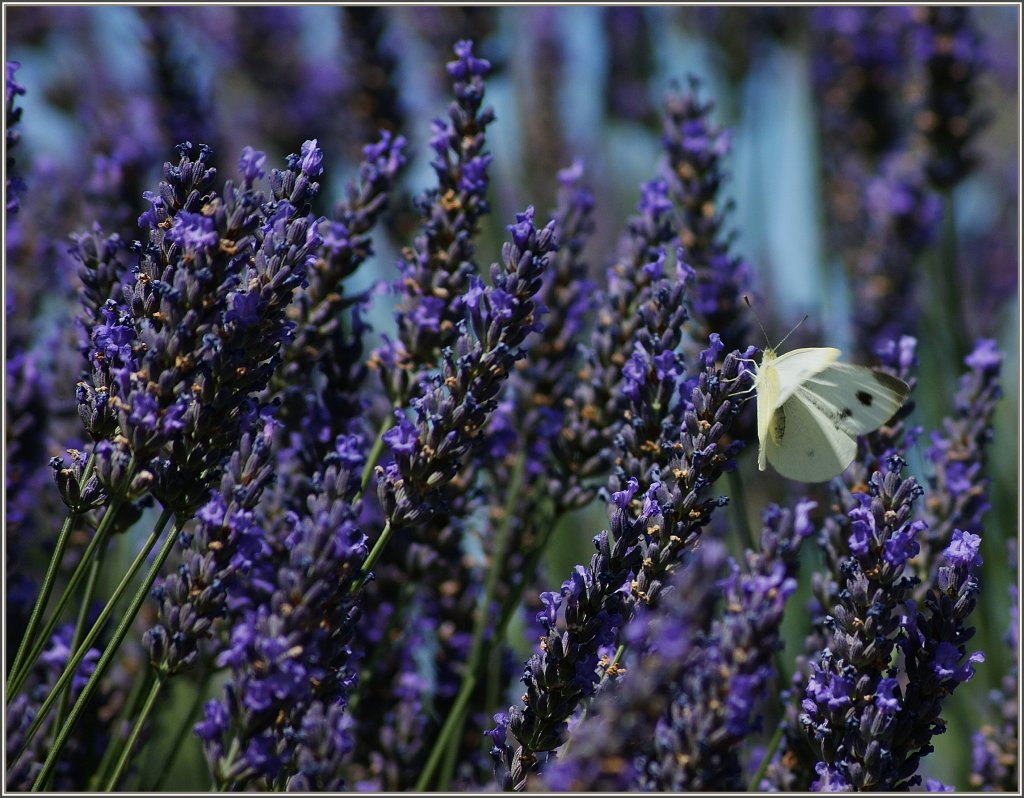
(300, 496)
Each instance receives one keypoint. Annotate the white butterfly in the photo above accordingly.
(811, 408)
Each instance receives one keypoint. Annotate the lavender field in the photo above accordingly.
(382, 384)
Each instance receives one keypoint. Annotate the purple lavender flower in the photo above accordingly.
(218, 553)
(638, 294)
(994, 765)
(289, 651)
(87, 744)
(630, 567)
(959, 487)
(455, 404)
(438, 266)
(860, 66)
(329, 325)
(869, 732)
(935, 658)
(606, 750)
(693, 168)
(209, 324)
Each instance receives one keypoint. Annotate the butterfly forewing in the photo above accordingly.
(855, 399)
(794, 368)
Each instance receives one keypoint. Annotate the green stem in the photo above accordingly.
(133, 738)
(48, 580)
(76, 637)
(375, 453)
(139, 689)
(183, 728)
(476, 650)
(953, 317)
(42, 599)
(739, 505)
(769, 754)
(111, 650)
(223, 767)
(373, 556)
(97, 627)
(435, 754)
(18, 676)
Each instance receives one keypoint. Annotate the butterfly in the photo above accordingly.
(811, 408)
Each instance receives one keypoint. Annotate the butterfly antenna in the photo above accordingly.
(795, 326)
(768, 344)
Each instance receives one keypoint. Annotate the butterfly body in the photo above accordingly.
(811, 408)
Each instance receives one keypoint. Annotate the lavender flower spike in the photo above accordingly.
(455, 404)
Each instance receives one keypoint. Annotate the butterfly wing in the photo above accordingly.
(776, 380)
(803, 443)
(855, 399)
(796, 367)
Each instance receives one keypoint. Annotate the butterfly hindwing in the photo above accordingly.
(804, 445)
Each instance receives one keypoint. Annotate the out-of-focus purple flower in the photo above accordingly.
(88, 740)
(719, 688)
(994, 760)
(252, 165)
(12, 116)
(311, 159)
(694, 170)
(947, 42)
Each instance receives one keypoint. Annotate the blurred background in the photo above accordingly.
(831, 112)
